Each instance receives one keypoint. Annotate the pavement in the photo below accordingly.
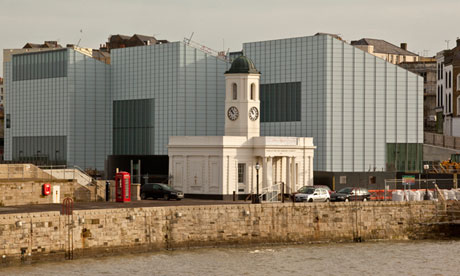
(112, 205)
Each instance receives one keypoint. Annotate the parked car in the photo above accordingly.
(310, 194)
(351, 194)
(304, 188)
(158, 190)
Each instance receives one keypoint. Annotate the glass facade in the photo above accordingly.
(133, 126)
(406, 157)
(46, 148)
(59, 108)
(42, 65)
(280, 102)
(187, 85)
(352, 103)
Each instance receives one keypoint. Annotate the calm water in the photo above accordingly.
(370, 258)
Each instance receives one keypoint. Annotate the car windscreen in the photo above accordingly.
(308, 191)
(303, 189)
(345, 190)
(166, 187)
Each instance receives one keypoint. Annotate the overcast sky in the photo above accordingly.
(424, 24)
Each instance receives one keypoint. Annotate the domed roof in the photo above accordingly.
(242, 65)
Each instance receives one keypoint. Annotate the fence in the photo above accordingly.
(416, 190)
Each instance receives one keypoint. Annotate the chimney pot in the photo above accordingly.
(404, 46)
(458, 42)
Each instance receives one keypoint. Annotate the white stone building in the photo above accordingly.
(221, 165)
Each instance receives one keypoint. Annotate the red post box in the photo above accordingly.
(46, 189)
(123, 187)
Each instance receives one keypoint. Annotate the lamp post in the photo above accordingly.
(257, 183)
(56, 157)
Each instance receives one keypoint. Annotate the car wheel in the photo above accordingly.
(143, 196)
(166, 197)
(310, 200)
(346, 200)
(178, 198)
(327, 200)
(364, 199)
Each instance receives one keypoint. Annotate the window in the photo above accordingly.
(280, 102)
(447, 85)
(41, 65)
(450, 103)
(253, 91)
(133, 120)
(241, 169)
(439, 71)
(450, 79)
(234, 91)
(458, 105)
(423, 74)
(439, 96)
(8, 121)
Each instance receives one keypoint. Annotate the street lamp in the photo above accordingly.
(257, 183)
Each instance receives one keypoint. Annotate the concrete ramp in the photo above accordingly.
(81, 177)
(437, 153)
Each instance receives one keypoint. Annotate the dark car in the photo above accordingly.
(158, 190)
(351, 194)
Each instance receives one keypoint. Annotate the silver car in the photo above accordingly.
(311, 194)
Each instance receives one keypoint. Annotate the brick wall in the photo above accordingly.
(45, 235)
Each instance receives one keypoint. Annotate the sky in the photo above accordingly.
(424, 25)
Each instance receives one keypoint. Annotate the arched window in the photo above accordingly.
(253, 91)
(234, 91)
(450, 79)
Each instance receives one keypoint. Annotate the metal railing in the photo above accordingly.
(271, 193)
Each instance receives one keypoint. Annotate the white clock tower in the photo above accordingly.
(222, 166)
(242, 101)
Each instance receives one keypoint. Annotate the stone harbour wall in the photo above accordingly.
(47, 235)
(17, 192)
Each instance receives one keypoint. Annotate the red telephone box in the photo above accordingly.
(46, 189)
(123, 187)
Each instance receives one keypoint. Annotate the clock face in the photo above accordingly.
(232, 113)
(253, 113)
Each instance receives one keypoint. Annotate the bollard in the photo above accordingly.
(282, 192)
(107, 191)
(234, 196)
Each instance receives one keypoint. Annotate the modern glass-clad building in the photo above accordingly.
(364, 113)
(163, 90)
(57, 106)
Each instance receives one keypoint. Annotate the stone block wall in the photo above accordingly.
(44, 235)
(441, 140)
(22, 171)
(30, 192)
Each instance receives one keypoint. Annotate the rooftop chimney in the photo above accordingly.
(404, 46)
(458, 42)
